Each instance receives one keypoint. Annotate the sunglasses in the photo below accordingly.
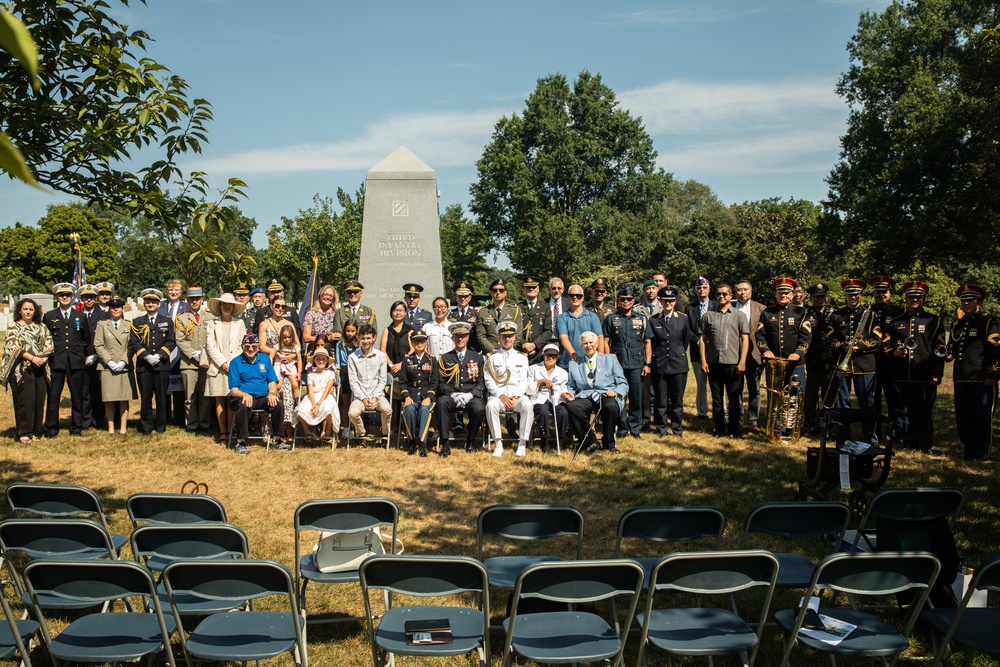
(278, 306)
(575, 296)
(498, 290)
(600, 291)
(626, 299)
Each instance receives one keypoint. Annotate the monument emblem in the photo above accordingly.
(400, 238)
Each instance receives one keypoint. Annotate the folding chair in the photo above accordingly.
(704, 630)
(905, 504)
(377, 416)
(798, 521)
(237, 635)
(576, 634)
(337, 515)
(173, 508)
(100, 637)
(427, 576)
(297, 433)
(61, 501)
(15, 635)
(525, 523)
(877, 574)
(258, 428)
(966, 625)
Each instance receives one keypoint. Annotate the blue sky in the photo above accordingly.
(308, 94)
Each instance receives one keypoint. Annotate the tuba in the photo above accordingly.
(784, 404)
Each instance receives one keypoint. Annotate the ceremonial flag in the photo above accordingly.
(79, 272)
(312, 287)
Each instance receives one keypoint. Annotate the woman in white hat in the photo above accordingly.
(225, 333)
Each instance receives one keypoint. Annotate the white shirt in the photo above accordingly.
(502, 361)
(439, 339)
(367, 374)
(745, 309)
(560, 382)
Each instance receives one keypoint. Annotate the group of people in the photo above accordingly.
(562, 361)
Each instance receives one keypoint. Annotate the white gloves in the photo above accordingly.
(116, 366)
(196, 355)
(461, 399)
(152, 359)
(90, 360)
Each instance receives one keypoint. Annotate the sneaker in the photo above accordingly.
(498, 450)
(241, 447)
(521, 450)
(281, 446)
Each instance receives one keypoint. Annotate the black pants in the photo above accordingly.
(974, 403)
(726, 385)
(580, 410)
(751, 378)
(93, 406)
(632, 419)
(29, 402)
(59, 379)
(241, 415)
(917, 399)
(543, 417)
(152, 384)
(475, 409)
(669, 391)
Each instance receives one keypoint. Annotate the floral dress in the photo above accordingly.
(285, 393)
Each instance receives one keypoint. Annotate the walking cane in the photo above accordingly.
(555, 420)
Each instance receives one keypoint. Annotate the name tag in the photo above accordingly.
(262, 368)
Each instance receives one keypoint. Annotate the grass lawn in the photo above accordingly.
(439, 499)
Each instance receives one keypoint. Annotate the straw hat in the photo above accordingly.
(214, 305)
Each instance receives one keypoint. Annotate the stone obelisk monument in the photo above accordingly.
(400, 238)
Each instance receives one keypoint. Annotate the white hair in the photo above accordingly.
(587, 334)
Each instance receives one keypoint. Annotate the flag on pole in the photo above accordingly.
(79, 270)
(312, 287)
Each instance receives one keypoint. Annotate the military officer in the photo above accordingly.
(885, 312)
(599, 304)
(784, 332)
(93, 415)
(506, 390)
(916, 342)
(974, 346)
(626, 336)
(352, 309)
(191, 336)
(151, 342)
(854, 350)
(459, 385)
(418, 393)
(71, 339)
(415, 316)
(105, 291)
(491, 316)
(669, 334)
(257, 299)
(818, 356)
(537, 321)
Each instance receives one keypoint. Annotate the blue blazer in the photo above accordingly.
(608, 374)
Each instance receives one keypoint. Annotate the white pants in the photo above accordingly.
(523, 408)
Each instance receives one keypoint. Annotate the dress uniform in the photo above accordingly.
(974, 346)
(93, 405)
(912, 340)
(626, 332)
(784, 330)
(151, 342)
(884, 312)
(489, 317)
(415, 383)
(859, 373)
(71, 340)
(537, 317)
(468, 313)
(191, 335)
(249, 314)
(507, 375)
(818, 357)
(669, 337)
(605, 308)
(415, 316)
(459, 385)
(361, 314)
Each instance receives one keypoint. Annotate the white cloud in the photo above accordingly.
(702, 13)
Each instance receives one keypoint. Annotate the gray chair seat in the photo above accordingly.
(504, 570)
(25, 630)
(871, 638)
(466, 630)
(978, 629)
(110, 637)
(698, 631)
(243, 636)
(543, 637)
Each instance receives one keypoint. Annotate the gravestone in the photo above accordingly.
(400, 238)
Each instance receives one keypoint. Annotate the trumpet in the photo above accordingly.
(940, 350)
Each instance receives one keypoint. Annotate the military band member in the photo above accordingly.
(626, 335)
(784, 332)
(93, 405)
(490, 317)
(191, 336)
(537, 321)
(885, 312)
(818, 356)
(506, 387)
(418, 393)
(459, 385)
(912, 340)
(71, 339)
(669, 334)
(974, 346)
(859, 349)
(415, 316)
(351, 309)
(150, 343)
(599, 304)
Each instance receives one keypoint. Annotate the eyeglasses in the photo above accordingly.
(718, 294)
(497, 290)
(575, 296)
(600, 291)
(250, 345)
(412, 296)
(440, 307)
(278, 306)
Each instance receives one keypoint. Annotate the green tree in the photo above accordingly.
(919, 173)
(18, 246)
(463, 253)
(335, 238)
(16, 40)
(557, 179)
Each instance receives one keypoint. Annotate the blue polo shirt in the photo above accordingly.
(251, 378)
(572, 325)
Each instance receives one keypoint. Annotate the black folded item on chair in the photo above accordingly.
(429, 631)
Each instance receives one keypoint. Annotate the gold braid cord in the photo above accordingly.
(185, 330)
(502, 378)
(449, 373)
(142, 333)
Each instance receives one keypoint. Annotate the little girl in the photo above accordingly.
(287, 369)
(320, 404)
(321, 341)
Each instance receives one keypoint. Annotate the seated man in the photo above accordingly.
(458, 383)
(417, 392)
(253, 385)
(506, 382)
(596, 384)
(367, 373)
(546, 385)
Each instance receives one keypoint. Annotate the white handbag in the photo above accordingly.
(344, 552)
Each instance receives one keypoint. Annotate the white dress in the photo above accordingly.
(318, 382)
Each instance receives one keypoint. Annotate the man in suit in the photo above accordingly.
(71, 341)
(172, 306)
(596, 384)
(695, 311)
(191, 333)
(558, 304)
(751, 310)
(490, 317)
(537, 321)
(93, 406)
(151, 342)
(459, 385)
